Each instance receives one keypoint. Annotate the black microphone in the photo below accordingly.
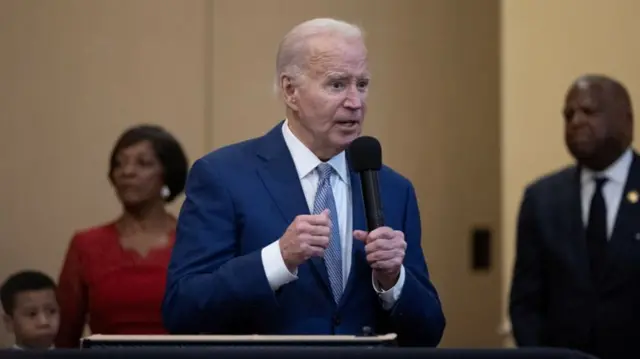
(366, 158)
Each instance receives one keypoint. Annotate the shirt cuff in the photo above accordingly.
(277, 272)
(391, 296)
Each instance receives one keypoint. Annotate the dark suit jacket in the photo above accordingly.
(243, 197)
(553, 300)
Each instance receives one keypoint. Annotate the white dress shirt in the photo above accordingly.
(306, 163)
(612, 191)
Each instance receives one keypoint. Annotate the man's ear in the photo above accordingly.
(8, 322)
(289, 92)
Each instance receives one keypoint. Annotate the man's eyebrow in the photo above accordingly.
(338, 75)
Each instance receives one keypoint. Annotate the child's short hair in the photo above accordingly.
(22, 281)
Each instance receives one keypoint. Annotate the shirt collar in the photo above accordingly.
(616, 172)
(305, 161)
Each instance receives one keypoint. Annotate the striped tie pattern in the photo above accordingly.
(332, 255)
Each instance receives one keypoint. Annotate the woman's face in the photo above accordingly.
(137, 175)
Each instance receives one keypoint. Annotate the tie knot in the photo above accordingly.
(325, 170)
(600, 181)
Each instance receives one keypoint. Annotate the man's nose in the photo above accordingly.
(578, 118)
(354, 99)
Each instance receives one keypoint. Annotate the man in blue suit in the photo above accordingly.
(271, 238)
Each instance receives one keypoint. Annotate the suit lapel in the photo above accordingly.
(280, 177)
(357, 208)
(628, 215)
(281, 180)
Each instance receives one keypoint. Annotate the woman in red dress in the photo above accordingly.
(113, 276)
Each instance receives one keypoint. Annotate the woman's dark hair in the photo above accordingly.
(168, 150)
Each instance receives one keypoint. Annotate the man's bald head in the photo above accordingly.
(598, 120)
(609, 86)
(296, 49)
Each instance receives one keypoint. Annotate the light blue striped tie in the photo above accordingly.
(332, 255)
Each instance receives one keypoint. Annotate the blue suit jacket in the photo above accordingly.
(243, 197)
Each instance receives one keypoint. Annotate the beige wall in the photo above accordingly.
(73, 75)
(76, 73)
(544, 47)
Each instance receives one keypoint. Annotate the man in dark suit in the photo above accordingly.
(576, 281)
(271, 237)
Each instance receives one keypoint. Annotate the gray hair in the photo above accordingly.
(292, 50)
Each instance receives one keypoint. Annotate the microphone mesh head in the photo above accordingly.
(365, 154)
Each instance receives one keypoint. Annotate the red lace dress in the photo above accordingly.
(115, 290)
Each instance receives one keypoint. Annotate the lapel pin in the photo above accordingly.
(632, 196)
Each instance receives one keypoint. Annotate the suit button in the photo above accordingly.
(336, 320)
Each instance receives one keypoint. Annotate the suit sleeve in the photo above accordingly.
(417, 316)
(526, 302)
(72, 297)
(205, 293)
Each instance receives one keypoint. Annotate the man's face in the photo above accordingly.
(35, 318)
(330, 101)
(592, 121)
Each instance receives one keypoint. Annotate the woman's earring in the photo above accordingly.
(165, 192)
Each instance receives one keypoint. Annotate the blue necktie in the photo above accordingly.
(332, 255)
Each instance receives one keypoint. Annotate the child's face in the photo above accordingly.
(35, 318)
